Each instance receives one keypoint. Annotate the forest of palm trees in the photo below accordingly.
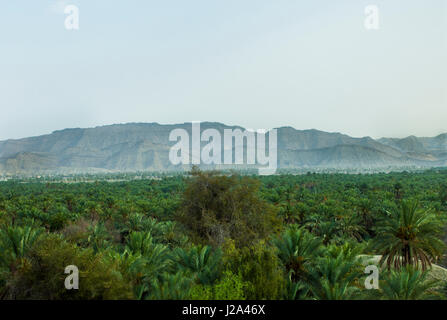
(226, 236)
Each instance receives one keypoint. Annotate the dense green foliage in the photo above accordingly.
(211, 235)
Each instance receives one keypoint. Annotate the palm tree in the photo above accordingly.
(312, 223)
(408, 284)
(334, 278)
(132, 266)
(365, 207)
(15, 243)
(154, 258)
(350, 226)
(204, 262)
(140, 242)
(134, 222)
(410, 237)
(443, 194)
(398, 191)
(328, 230)
(295, 290)
(98, 238)
(296, 249)
(171, 287)
(288, 205)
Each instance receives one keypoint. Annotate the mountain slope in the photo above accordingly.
(145, 146)
(431, 149)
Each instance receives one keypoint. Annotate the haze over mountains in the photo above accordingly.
(145, 147)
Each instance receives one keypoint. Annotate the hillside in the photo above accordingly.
(145, 146)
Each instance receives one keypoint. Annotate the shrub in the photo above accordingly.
(260, 267)
(42, 276)
(229, 287)
(217, 207)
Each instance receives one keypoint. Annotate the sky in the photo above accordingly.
(256, 63)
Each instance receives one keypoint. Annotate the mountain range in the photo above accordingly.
(145, 147)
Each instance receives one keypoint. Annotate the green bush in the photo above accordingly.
(216, 207)
(259, 266)
(229, 287)
(41, 275)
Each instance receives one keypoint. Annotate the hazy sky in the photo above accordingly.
(255, 63)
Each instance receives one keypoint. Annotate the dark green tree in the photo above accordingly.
(217, 207)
